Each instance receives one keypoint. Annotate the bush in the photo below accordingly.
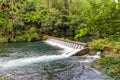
(2, 39)
(110, 66)
(45, 37)
(20, 38)
(98, 44)
(33, 37)
(115, 50)
(103, 44)
(114, 41)
(29, 35)
(3, 77)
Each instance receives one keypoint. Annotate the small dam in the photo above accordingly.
(82, 48)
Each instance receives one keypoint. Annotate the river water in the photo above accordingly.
(41, 61)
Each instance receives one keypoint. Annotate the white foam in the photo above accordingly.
(68, 50)
(59, 45)
(97, 55)
(46, 58)
(91, 59)
(73, 52)
(27, 61)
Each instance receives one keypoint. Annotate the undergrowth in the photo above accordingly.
(110, 66)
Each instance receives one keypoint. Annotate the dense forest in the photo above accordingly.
(26, 20)
(94, 21)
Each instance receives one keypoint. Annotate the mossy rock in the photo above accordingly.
(83, 52)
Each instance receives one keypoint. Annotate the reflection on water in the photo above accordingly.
(63, 69)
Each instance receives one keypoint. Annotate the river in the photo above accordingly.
(41, 61)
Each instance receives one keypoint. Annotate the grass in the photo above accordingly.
(3, 77)
(112, 43)
(110, 62)
(110, 66)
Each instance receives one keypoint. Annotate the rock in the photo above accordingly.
(83, 51)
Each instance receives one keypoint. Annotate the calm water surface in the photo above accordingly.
(47, 69)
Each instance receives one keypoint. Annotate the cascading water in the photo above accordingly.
(27, 61)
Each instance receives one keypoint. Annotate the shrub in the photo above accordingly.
(115, 50)
(3, 77)
(31, 34)
(110, 66)
(98, 44)
(2, 39)
(20, 38)
(102, 44)
(33, 37)
(45, 37)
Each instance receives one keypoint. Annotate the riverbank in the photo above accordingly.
(109, 63)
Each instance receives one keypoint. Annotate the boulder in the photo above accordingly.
(83, 51)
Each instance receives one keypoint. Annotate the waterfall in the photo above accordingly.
(70, 47)
(68, 54)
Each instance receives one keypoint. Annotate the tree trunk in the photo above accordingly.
(13, 32)
(66, 4)
(70, 4)
(51, 3)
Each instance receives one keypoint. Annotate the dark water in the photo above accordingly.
(60, 69)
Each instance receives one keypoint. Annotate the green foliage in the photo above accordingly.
(3, 77)
(110, 65)
(66, 18)
(98, 44)
(82, 32)
(45, 37)
(100, 18)
(19, 39)
(116, 50)
(3, 40)
(112, 43)
(31, 34)
(2, 21)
